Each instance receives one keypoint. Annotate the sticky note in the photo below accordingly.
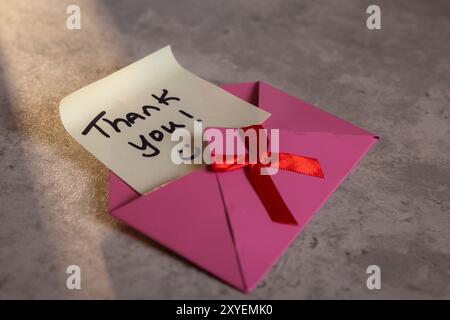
(126, 119)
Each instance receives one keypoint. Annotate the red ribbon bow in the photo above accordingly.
(264, 185)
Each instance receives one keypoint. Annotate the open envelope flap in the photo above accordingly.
(291, 113)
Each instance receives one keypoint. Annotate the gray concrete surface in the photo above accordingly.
(393, 210)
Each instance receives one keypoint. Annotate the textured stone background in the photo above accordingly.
(393, 210)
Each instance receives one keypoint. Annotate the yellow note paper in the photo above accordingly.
(126, 119)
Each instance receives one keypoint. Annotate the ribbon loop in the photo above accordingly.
(264, 185)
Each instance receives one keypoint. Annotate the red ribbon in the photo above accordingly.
(264, 185)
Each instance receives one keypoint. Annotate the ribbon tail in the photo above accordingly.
(269, 196)
(300, 164)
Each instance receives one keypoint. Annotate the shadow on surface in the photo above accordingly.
(30, 256)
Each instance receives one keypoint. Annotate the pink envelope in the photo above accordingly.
(217, 221)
